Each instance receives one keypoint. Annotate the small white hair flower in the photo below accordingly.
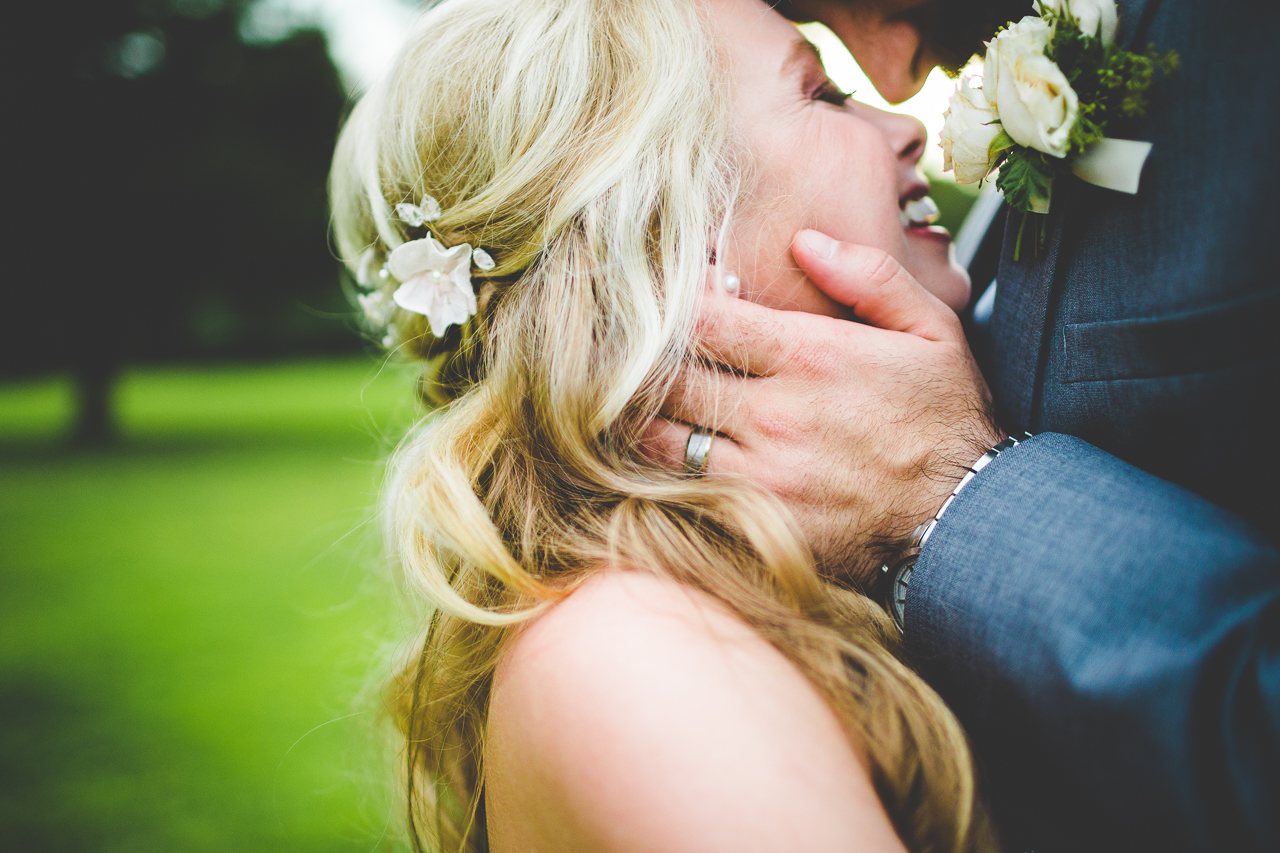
(435, 282)
(482, 259)
(377, 306)
(418, 215)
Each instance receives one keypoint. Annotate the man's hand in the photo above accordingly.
(863, 430)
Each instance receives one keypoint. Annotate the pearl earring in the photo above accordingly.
(731, 284)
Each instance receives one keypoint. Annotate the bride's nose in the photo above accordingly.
(906, 136)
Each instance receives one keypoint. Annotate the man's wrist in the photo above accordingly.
(897, 571)
(936, 478)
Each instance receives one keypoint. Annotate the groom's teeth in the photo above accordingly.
(920, 212)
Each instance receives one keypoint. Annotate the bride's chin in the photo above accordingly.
(936, 269)
(955, 292)
(949, 283)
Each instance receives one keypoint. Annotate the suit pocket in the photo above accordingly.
(1238, 332)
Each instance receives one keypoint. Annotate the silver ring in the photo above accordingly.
(695, 452)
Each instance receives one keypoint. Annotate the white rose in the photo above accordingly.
(1096, 17)
(1031, 33)
(1036, 104)
(967, 133)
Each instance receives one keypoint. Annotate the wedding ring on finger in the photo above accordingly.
(695, 452)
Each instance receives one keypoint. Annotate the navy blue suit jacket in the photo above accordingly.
(1101, 606)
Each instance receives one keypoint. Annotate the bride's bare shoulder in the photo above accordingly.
(640, 714)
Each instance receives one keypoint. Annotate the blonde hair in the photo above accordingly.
(587, 145)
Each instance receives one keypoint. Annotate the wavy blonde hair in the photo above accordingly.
(587, 144)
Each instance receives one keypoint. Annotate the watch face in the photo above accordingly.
(898, 592)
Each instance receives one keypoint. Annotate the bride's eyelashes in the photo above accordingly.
(828, 92)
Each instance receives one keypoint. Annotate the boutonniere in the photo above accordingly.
(1050, 87)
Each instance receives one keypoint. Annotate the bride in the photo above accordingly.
(617, 657)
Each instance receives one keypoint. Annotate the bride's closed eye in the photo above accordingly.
(805, 63)
(829, 93)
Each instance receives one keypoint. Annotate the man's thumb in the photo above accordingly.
(874, 285)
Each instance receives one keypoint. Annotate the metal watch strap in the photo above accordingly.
(900, 568)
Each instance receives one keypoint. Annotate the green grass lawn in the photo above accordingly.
(194, 624)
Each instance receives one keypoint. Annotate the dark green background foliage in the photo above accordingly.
(169, 185)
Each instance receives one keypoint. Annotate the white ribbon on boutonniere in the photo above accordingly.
(1113, 164)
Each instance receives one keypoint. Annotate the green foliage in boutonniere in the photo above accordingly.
(1110, 82)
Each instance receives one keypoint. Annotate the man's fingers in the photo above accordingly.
(743, 336)
(709, 397)
(665, 442)
(874, 285)
(758, 341)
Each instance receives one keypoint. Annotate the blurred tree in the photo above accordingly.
(166, 183)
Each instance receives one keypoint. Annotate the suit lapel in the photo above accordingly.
(1021, 313)
(1018, 319)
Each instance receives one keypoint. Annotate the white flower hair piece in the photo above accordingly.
(434, 282)
(418, 215)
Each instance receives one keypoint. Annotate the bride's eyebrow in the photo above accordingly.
(802, 52)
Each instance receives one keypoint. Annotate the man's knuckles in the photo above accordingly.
(777, 425)
(815, 359)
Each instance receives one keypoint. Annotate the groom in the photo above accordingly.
(1100, 604)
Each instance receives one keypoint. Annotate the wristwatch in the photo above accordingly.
(898, 571)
